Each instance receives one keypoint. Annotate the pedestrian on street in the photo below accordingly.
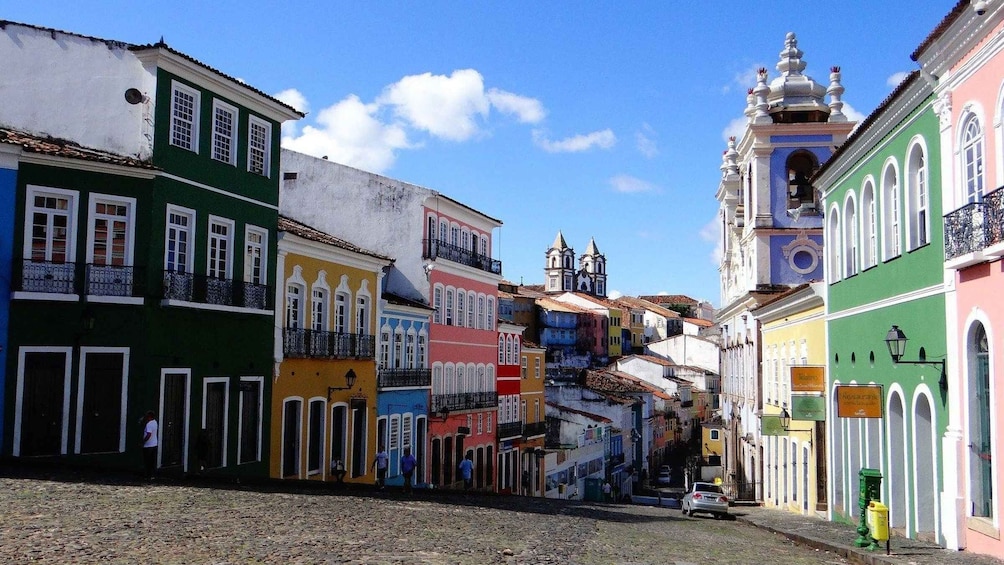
(338, 470)
(606, 490)
(408, 463)
(380, 464)
(150, 443)
(466, 471)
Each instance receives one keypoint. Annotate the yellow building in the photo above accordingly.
(793, 427)
(324, 383)
(532, 408)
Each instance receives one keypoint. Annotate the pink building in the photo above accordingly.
(964, 55)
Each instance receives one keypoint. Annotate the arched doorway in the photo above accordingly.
(897, 462)
(926, 489)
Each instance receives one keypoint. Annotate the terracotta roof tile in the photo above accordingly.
(62, 148)
(303, 230)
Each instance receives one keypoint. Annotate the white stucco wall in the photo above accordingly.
(687, 350)
(72, 87)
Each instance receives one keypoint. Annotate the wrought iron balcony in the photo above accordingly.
(435, 249)
(302, 343)
(964, 231)
(464, 401)
(509, 430)
(203, 289)
(68, 278)
(534, 429)
(47, 276)
(993, 216)
(389, 378)
(111, 280)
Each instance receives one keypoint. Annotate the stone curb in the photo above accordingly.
(852, 555)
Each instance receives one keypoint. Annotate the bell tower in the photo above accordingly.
(559, 267)
(593, 266)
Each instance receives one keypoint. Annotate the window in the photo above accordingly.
(420, 361)
(490, 312)
(522, 367)
(890, 212)
(255, 275)
(111, 231)
(437, 304)
(714, 435)
(501, 349)
(869, 244)
(461, 296)
(220, 248)
(449, 306)
(552, 282)
(917, 197)
(395, 433)
(385, 348)
(224, 132)
(470, 309)
(259, 146)
(481, 312)
(406, 432)
(319, 309)
(509, 360)
(250, 408)
(972, 159)
(294, 306)
(185, 117)
(362, 313)
(341, 312)
(568, 282)
(180, 229)
(398, 348)
(409, 355)
(834, 252)
(52, 213)
(536, 367)
(850, 240)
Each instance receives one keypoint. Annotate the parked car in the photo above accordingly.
(705, 497)
(664, 478)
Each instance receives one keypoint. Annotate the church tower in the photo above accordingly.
(559, 269)
(592, 276)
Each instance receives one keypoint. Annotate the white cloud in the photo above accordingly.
(615, 294)
(604, 139)
(852, 114)
(628, 184)
(369, 135)
(646, 142)
(711, 232)
(350, 132)
(527, 110)
(445, 106)
(736, 128)
(896, 78)
(743, 80)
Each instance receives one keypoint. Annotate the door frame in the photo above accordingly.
(81, 378)
(19, 395)
(187, 418)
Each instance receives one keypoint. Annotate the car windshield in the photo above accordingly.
(705, 487)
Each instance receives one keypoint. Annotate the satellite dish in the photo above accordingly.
(134, 96)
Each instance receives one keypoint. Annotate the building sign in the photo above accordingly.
(804, 407)
(808, 379)
(859, 401)
(771, 426)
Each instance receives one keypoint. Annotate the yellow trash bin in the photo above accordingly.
(878, 520)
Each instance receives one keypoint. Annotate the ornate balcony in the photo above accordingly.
(509, 430)
(303, 343)
(464, 401)
(111, 280)
(534, 429)
(390, 378)
(965, 236)
(203, 289)
(68, 278)
(435, 249)
(47, 276)
(993, 221)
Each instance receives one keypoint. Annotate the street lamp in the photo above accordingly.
(350, 381)
(895, 340)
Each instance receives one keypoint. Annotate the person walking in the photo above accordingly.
(380, 464)
(150, 443)
(466, 471)
(606, 491)
(338, 470)
(408, 463)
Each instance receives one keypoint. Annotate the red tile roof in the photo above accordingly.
(303, 230)
(62, 148)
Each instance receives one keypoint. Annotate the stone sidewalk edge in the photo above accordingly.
(855, 556)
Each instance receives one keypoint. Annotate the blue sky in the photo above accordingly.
(599, 119)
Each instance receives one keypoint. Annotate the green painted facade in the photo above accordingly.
(906, 290)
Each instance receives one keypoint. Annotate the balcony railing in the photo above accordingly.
(993, 216)
(388, 378)
(301, 343)
(533, 429)
(68, 278)
(964, 231)
(464, 401)
(48, 276)
(509, 430)
(204, 289)
(435, 249)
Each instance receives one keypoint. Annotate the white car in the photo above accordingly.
(705, 497)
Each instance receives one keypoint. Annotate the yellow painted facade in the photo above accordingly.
(531, 388)
(794, 474)
(326, 317)
(614, 325)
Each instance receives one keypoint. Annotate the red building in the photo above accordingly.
(510, 410)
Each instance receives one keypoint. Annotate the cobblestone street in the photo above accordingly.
(122, 521)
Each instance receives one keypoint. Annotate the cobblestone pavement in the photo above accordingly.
(74, 519)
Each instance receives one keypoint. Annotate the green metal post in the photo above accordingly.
(869, 484)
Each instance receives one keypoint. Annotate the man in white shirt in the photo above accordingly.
(150, 429)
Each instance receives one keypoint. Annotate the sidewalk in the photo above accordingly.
(839, 538)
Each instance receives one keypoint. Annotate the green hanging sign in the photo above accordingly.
(772, 426)
(811, 408)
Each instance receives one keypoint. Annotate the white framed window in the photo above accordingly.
(523, 366)
(255, 255)
(398, 348)
(50, 224)
(536, 367)
(437, 304)
(461, 308)
(714, 435)
(185, 103)
(449, 306)
(501, 349)
(319, 309)
(259, 146)
(422, 348)
(470, 309)
(224, 132)
(406, 431)
(972, 159)
(220, 253)
(394, 433)
(180, 233)
(296, 287)
(385, 347)
(481, 312)
(490, 314)
(917, 197)
(869, 243)
(409, 351)
(890, 211)
(110, 234)
(363, 310)
(834, 252)
(850, 239)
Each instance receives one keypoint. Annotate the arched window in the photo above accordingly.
(490, 314)
(869, 237)
(917, 197)
(449, 307)
(399, 348)
(501, 349)
(470, 309)
(363, 309)
(981, 436)
(834, 250)
(972, 159)
(461, 300)
(890, 212)
(508, 350)
(385, 347)
(437, 304)
(437, 379)
(850, 240)
(461, 386)
(801, 165)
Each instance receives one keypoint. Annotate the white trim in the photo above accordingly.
(240, 418)
(226, 411)
(123, 404)
(215, 307)
(235, 126)
(192, 230)
(19, 393)
(322, 435)
(218, 190)
(196, 115)
(72, 223)
(229, 239)
(253, 229)
(926, 292)
(187, 416)
(267, 156)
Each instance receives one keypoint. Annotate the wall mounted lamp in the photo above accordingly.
(786, 422)
(350, 381)
(444, 413)
(896, 340)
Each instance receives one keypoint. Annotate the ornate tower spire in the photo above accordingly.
(761, 91)
(836, 90)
